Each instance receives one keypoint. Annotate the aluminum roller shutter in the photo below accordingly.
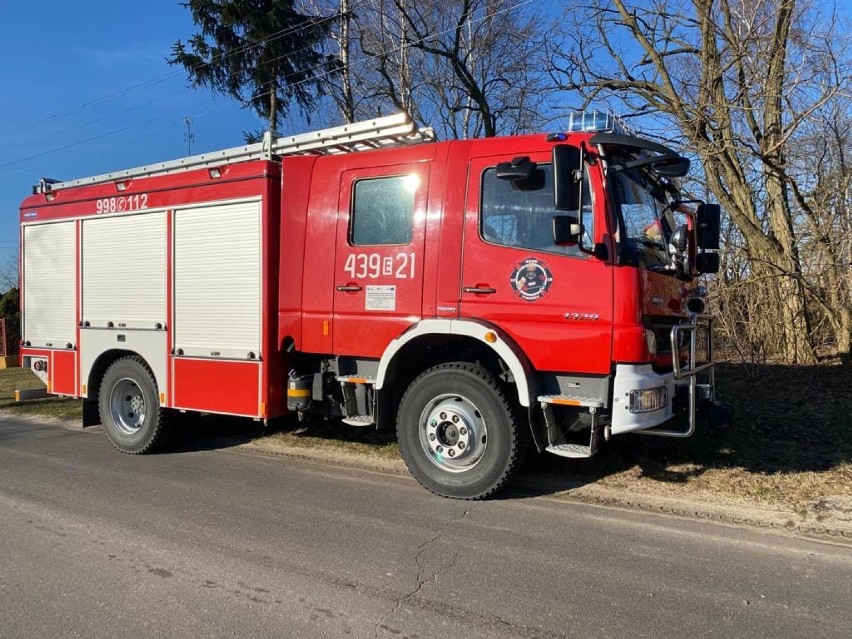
(217, 257)
(50, 289)
(124, 270)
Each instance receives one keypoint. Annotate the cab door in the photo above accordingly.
(378, 273)
(555, 302)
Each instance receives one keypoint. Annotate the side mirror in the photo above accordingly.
(566, 230)
(707, 262)
(678, 238)
(709, 220)
(566, 177)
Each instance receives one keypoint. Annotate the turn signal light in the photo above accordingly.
(651, 341)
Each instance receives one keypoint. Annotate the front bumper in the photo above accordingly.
(635, 378)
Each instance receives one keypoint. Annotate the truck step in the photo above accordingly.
(575, 451)
(556, 437)
(570, 400)
(355, 379)
(359, 420)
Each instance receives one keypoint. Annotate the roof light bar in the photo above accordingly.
(597, 121)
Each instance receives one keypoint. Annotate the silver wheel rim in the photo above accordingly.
(453, 433)
(127, 406)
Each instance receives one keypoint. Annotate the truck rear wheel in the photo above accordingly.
(458, 432)
(130, 408)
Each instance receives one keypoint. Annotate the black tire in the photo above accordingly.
(458, 432)
(129, 406)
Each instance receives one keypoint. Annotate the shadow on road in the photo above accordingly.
(788, 419)
(211, 432)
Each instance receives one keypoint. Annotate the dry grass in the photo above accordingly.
(790, 443)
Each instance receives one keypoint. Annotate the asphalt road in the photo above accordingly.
(223, 543)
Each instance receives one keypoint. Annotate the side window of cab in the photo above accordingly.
(383, 211)
(521, 217)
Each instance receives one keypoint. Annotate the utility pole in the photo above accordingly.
(348, 107)
(189, 136)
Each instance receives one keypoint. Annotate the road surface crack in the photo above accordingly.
(422, 571)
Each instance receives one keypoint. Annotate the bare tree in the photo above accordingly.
(484, 72)
(467, 67)
(739, 81)
(820, 177)
(9, 274)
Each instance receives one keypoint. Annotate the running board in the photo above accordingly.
(359, 420)
(574, 451)
(557, 444)
(357, 400)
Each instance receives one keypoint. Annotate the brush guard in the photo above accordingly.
(687, 375)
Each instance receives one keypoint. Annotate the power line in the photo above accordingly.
(326, 73)
(73, 144)
(141, 85)
(77, 127)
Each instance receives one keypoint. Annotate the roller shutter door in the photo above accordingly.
(50, 288)
(124, 271)
(217, 272)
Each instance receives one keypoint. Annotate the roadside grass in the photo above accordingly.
(12, 379)
(790, 444)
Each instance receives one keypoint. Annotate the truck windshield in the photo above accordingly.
(647, 221)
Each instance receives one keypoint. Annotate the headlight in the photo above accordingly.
(647, 400)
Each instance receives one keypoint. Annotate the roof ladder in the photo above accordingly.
(387, 131)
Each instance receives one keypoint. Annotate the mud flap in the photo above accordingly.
(91, 417)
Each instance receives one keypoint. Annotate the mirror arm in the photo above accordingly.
(599, 250)
(674, 206)
(579, 178)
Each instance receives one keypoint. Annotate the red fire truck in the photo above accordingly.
(475, 295)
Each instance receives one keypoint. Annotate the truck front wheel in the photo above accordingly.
(458, 432)
(130, 408)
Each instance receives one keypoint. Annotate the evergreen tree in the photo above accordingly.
(10, 309)
(263, 53)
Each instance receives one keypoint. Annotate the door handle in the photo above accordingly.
(480, 290)
(349, 288)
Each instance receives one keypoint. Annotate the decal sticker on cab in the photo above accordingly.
(531, 279)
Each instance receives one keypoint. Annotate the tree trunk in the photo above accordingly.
(798, 345)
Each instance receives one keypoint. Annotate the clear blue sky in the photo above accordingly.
(62, 63)
(59, 56)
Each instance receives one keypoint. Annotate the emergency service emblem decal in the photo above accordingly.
(531, 279)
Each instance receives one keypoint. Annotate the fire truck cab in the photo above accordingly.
(475, 295)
